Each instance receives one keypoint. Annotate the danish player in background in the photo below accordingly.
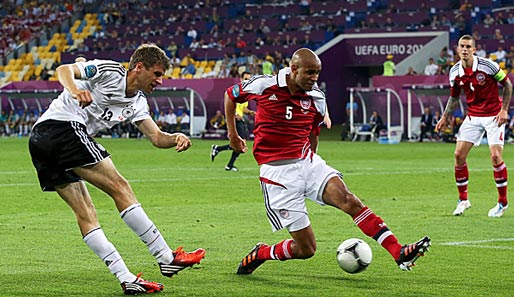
(478, 77)
(290, 109)
(100, 94)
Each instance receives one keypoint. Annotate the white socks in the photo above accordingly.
(104, 249)
(136, 218)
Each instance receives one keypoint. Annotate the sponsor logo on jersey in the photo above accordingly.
(273, 97)
(236, 90)
(90, 71)
(306, 104)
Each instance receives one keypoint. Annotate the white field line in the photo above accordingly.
(479, 243)
(364, 171)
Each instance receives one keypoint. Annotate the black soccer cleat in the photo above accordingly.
(251, 261)
(214, 152)
(411, 252)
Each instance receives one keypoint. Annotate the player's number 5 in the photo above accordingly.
(289, 112)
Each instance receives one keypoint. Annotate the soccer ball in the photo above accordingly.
(354, 255)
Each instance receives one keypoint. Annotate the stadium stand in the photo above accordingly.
(113, 29)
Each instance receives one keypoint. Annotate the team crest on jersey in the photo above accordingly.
(236, 90)
(90, 71)
(127, 112)
(480, 78)
(284, 213)
(306, 104)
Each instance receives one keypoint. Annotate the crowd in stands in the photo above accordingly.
(17, 124)
(248, 34)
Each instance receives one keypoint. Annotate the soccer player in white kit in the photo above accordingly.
(290, 109)
(100, 94)
(478, 77)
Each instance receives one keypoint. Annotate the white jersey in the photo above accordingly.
(107, 82)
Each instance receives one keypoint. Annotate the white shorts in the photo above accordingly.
(473, 129)
(286, 186)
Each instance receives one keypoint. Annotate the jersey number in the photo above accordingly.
(289, 112)
(106, 115)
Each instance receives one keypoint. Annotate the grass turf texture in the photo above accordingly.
(196, 203)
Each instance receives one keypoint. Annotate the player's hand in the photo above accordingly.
(238, 144)
(441, 124)
(183, 142)
(327, 121)
(84, 97)
(502, 117)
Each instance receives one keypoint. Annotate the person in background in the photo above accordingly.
(99, 94)
(389, 66)
(290, 108)
(425, 124)
(411, 71)
(431, 68)
(486, 113)
(218, 120)
(242, 129)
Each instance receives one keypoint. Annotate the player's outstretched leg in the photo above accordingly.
(141, 286)
(411, 252)
(181, 260)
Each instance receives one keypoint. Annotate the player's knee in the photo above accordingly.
(460, 157)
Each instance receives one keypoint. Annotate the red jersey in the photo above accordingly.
(480, 84)
(284, 121)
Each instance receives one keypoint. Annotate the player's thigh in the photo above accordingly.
(472, 130)
(283, 190)
(104, 176)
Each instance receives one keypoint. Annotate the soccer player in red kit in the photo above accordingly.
(290, 109)
(478, 77)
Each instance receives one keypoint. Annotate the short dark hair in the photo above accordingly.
(245, 72)
(467, 37)
(150, 55)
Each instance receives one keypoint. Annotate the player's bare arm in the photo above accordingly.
(450, 107)
(236, 142)
(163, 139)
(248, 111)
(66, 75)
(503, 115)
(314, 139)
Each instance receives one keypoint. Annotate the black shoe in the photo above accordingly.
(141, 286)
(251, 261)
(411, 252)
(214, 152)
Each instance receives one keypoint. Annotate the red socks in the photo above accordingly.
(500, 177)
(461, 179)
(280, 251)
(373, 226)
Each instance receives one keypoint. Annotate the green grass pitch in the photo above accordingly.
(196, 203)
